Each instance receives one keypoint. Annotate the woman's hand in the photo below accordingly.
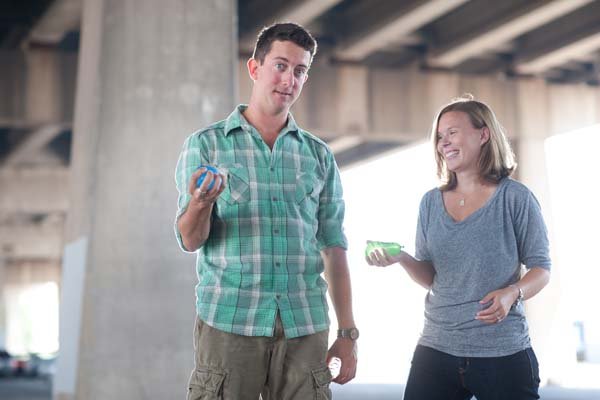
(381, 258)
(500, 301)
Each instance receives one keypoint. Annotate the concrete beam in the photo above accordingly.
(34, 143)
(491, 36)
(345, 142)
(301, 12)
(31, 271)
(571, 38)
(32, 241)
(558, 56)
(34, 191)
(61, 17)
(306, 11)
(402, 26)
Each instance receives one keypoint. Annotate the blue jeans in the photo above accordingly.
(435, 375)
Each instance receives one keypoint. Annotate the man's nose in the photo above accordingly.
(288, 78)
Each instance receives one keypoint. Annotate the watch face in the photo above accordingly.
(351, 333)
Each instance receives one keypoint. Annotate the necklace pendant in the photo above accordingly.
(461, 202)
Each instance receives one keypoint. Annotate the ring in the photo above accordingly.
(203, 194)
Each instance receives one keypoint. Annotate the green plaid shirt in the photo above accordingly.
(280, 208)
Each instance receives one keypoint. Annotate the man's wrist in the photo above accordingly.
(348, 333)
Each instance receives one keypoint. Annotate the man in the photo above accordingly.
(265, 230)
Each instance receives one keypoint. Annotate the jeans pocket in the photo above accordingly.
(206, 384)
(322, 379)
(534, 366)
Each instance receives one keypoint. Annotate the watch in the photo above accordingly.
(350, 333)
(519, 298)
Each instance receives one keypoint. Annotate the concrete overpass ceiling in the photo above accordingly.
(573, 36)
(511, 37)
(17, 18)
(552, 39)
(557, 39)
(365, 151)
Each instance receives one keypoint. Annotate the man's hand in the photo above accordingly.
(346, 351)
(201, 195)
(194, 223)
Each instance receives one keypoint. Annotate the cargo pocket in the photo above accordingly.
(206, 385)
(322, 379)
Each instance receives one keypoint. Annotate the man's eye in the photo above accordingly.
(280, 66)
(299, 73)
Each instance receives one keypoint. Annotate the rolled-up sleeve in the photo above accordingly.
(532, 234)
(331, 208)
(421, 248)
(189, 160)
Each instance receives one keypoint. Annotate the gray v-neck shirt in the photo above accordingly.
(473, 257)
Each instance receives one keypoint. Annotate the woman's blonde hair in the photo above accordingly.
(496, 160)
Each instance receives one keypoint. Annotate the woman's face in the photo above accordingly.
(459, 142)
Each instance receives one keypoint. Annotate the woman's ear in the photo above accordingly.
(485, 135)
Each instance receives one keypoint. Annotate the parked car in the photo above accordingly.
(43, 366)
(5, 363)
(28, 366)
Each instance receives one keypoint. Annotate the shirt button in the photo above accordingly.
(278, 296)
(277, 264)
(274, 198)
(272, 169)
(276, 231)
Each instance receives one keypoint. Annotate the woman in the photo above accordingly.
(473, 235)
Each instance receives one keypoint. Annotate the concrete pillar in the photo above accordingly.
(43, 98)
(150, 73)
(353, 107)
(13, 72)
(2, 305)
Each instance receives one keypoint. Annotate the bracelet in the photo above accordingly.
(520, 297)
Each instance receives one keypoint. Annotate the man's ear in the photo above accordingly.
(485, 135)
(252, 65)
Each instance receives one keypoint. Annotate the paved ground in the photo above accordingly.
(394, 392)
(37, 389)
(25, 389)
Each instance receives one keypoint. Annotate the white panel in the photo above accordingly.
(73, 275)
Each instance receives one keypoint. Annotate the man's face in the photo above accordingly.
(279, 79)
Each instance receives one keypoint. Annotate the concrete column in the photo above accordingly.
(13, 72)
(150, 73)
(43, 98)
(353, 106)
(2, 305)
